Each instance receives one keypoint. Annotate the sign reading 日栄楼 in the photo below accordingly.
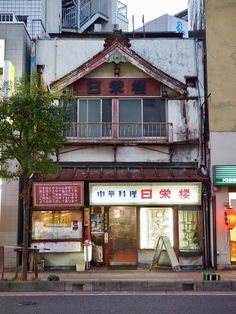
(145, 193)
(224, 175)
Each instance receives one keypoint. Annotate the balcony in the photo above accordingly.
(122, 9)
(120, 133)
(90, 11)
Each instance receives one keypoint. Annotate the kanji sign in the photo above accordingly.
(117, 87)
(145, 193)
(58, 194)
(139, 87)
(94, 87)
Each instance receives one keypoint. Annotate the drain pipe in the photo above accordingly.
(55, 58)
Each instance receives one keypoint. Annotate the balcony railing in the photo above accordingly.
(90, 8)
(136, 132)
(69, 17)
(121, 9)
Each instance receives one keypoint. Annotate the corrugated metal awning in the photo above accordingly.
(109, 174)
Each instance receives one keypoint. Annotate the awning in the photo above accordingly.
(109, 174)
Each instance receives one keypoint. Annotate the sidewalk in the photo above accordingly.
(103, 279)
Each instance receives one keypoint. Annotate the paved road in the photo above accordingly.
(118, 303)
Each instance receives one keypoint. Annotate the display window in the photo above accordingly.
(155, 222)
(232, 202)
(63, 224)
(189, 230)
(97, 219)
(97, 225)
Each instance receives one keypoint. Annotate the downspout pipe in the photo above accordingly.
(207, 161)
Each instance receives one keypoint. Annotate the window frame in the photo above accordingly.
(142, 123)
(193, 252)
(107, 130)
(79, 211)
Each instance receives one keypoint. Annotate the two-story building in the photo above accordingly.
(133, 164)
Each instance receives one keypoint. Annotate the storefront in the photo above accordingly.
(224, 207)
(57, 222)
(128, 218)
(123, 221)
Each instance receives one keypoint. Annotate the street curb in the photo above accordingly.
(116, 285)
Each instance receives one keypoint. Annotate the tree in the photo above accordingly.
(31, 132)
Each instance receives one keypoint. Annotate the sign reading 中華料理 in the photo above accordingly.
(145, 193)
(224, 175)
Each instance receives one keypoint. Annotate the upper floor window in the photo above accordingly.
(143, 117)
(125, 118)
(95, 117)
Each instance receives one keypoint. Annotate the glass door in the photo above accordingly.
(122, 236)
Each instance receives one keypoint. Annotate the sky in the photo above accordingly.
(151, 9)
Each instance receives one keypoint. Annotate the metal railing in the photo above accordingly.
(70, 17)
(118, 132)
(121, 9)
(90, 8)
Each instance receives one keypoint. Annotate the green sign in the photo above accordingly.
(224, 175)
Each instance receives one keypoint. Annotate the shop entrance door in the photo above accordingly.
(122, 236)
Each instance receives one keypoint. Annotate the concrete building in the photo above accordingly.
(166, 23)
(133, 159)
(217, 19)
(43, 17)
(15, 49)
(93, 15)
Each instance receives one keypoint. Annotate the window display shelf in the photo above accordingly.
(189, 232)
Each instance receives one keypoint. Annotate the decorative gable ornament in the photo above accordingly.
(117, 37)
(116, 58)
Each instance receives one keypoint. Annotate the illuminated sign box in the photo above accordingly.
(145, 193)
(58, 194)
(224, 175)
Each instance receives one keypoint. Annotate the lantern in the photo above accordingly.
(230, 218)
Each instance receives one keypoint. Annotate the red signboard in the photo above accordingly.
(54, 194)
(117, 87)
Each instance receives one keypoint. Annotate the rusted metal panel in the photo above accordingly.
(132, 174)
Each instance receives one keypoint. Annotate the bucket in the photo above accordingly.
(80, 267)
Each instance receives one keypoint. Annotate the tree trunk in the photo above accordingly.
(26, 211)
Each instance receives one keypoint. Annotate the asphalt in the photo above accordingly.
(142, 279)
